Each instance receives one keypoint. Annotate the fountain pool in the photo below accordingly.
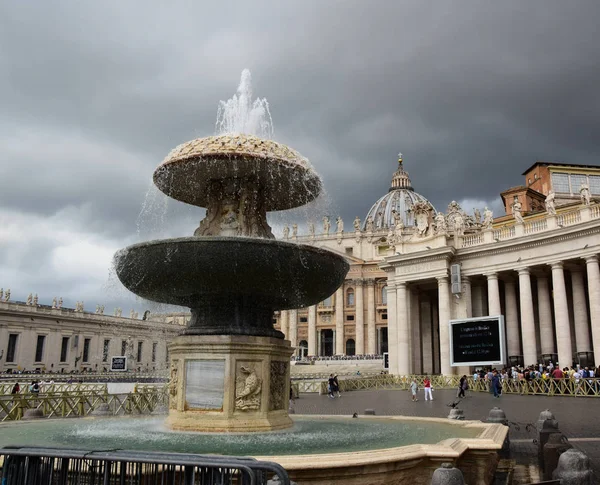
(319, 435)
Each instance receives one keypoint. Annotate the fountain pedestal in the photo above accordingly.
(229, 383)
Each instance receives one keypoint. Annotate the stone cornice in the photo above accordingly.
(530, 241)
(447, 253)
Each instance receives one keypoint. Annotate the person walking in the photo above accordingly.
(496, 385)
(413, 389)
(16, 388)
(336, 386)
(330, 385)
(427, 388)
(463, 385)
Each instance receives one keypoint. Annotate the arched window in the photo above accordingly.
(350, 347)
(350, 297)
(384, 295)
(303, 349)
(328, 301)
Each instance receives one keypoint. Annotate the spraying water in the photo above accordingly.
(240, 114)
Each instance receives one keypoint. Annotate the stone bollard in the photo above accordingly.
(456, 413)
(574, 469)
(498, 416)
(447, 475)
(557, 444)
(544, 415)
(32, 414)
(369, 412)
(549, 427)
(101, 410)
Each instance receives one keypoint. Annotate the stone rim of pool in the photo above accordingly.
(476, 456)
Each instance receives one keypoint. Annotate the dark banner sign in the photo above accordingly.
(118, 364)
(477, 341)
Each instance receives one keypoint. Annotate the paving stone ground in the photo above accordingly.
(577, 417)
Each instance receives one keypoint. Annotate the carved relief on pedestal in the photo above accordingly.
(278, 380)
(248, 385)
(173, 383)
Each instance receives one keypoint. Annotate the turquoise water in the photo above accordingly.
(308, 435)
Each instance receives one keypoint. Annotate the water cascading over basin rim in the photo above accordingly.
(192, 271)
(286, 179)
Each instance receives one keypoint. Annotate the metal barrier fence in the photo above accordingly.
(145, 400)
(32, 466)
(7, 387)
(589, 387)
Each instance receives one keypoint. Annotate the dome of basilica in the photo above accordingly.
(398, 200)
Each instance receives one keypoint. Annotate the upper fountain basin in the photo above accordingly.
(284, 177)
(193, 271)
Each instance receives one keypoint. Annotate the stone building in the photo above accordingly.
(45, 338)
(537, 265)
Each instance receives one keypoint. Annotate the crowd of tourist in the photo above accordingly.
(523, 379)
(314, 358)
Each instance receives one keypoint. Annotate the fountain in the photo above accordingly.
(230, 367)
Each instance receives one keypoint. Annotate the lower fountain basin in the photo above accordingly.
(191, 271)
(327, 435)
(317, 449)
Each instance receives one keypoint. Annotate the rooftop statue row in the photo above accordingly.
(427, 223)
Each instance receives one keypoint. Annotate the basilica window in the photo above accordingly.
(350, 297)
(595, 184)
(328, 301)
(384, 295)
(350, 346)
(576, 181)
(560, 183)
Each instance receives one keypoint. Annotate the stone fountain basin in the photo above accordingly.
(319, 449)
(193, 271)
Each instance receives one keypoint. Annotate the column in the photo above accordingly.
(435, 327)
(561, 316)
(293, 337)
(403, 333)
(415, 333)
(493, 295)
(312, 330)
(339, 321)
(444, 319)
(359, 318)
(284, 320)
(477, 300)
(512, 319)
(467, 296)
(426, 336)
(392, 329)
(545, 316)
(580, 314)
(593, 274)
(527, 318)
(371, 333)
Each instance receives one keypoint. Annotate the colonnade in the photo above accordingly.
(560, 320)
(364, 312)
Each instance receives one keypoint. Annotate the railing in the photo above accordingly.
(568, 218)
(589, 387)
(595, 211)
(86, 376)
(536, 226)
(67, 466)
(7, 387)
(472, 240)
(504, 233)
(145, 400)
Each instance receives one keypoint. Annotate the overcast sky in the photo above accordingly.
(93, 95)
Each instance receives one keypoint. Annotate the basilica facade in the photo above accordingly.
(415, 268)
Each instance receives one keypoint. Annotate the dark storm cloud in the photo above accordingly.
(94, 96)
